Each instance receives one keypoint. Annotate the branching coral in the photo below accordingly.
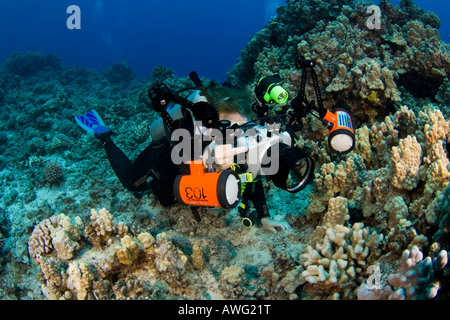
(406, 160)
(58, 236)
(442, 236)
(337, 254)
(101, 228)
(414, 279)
(90, 275)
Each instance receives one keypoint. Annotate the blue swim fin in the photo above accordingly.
(92, 123)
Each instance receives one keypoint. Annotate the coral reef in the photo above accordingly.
(161, 73)
(337, 255)
(57, 235)
(360, 230)
(442, 236)
(99, 272)
(366, 71)
(443, 96)
(414, 280)
(119, 72)
(30, 63)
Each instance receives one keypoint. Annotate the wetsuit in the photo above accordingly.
(153, 170)
(254, 192)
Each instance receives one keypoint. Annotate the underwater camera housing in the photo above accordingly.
(271, 154)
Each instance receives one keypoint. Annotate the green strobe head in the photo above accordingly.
(269, 91)
(276, 94)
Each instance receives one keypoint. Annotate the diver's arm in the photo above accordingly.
(259, 200)
(267, 223)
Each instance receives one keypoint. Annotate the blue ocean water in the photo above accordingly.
(202, 35)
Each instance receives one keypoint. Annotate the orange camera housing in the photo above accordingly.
(207, 189)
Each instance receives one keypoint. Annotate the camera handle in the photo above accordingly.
(161, 96)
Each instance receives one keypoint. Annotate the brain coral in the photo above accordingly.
(53, 172)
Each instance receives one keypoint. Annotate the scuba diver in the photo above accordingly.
(215, 178)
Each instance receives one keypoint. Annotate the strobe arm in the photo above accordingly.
(161, 97)
(300, 105)
(341, 138)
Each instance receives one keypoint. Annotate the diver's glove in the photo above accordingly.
(221, 156)
(273, 226)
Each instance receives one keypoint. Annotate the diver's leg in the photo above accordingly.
(119, 162)
(154, 169)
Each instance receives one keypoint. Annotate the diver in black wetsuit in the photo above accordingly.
(153, 169)
(225, 108)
